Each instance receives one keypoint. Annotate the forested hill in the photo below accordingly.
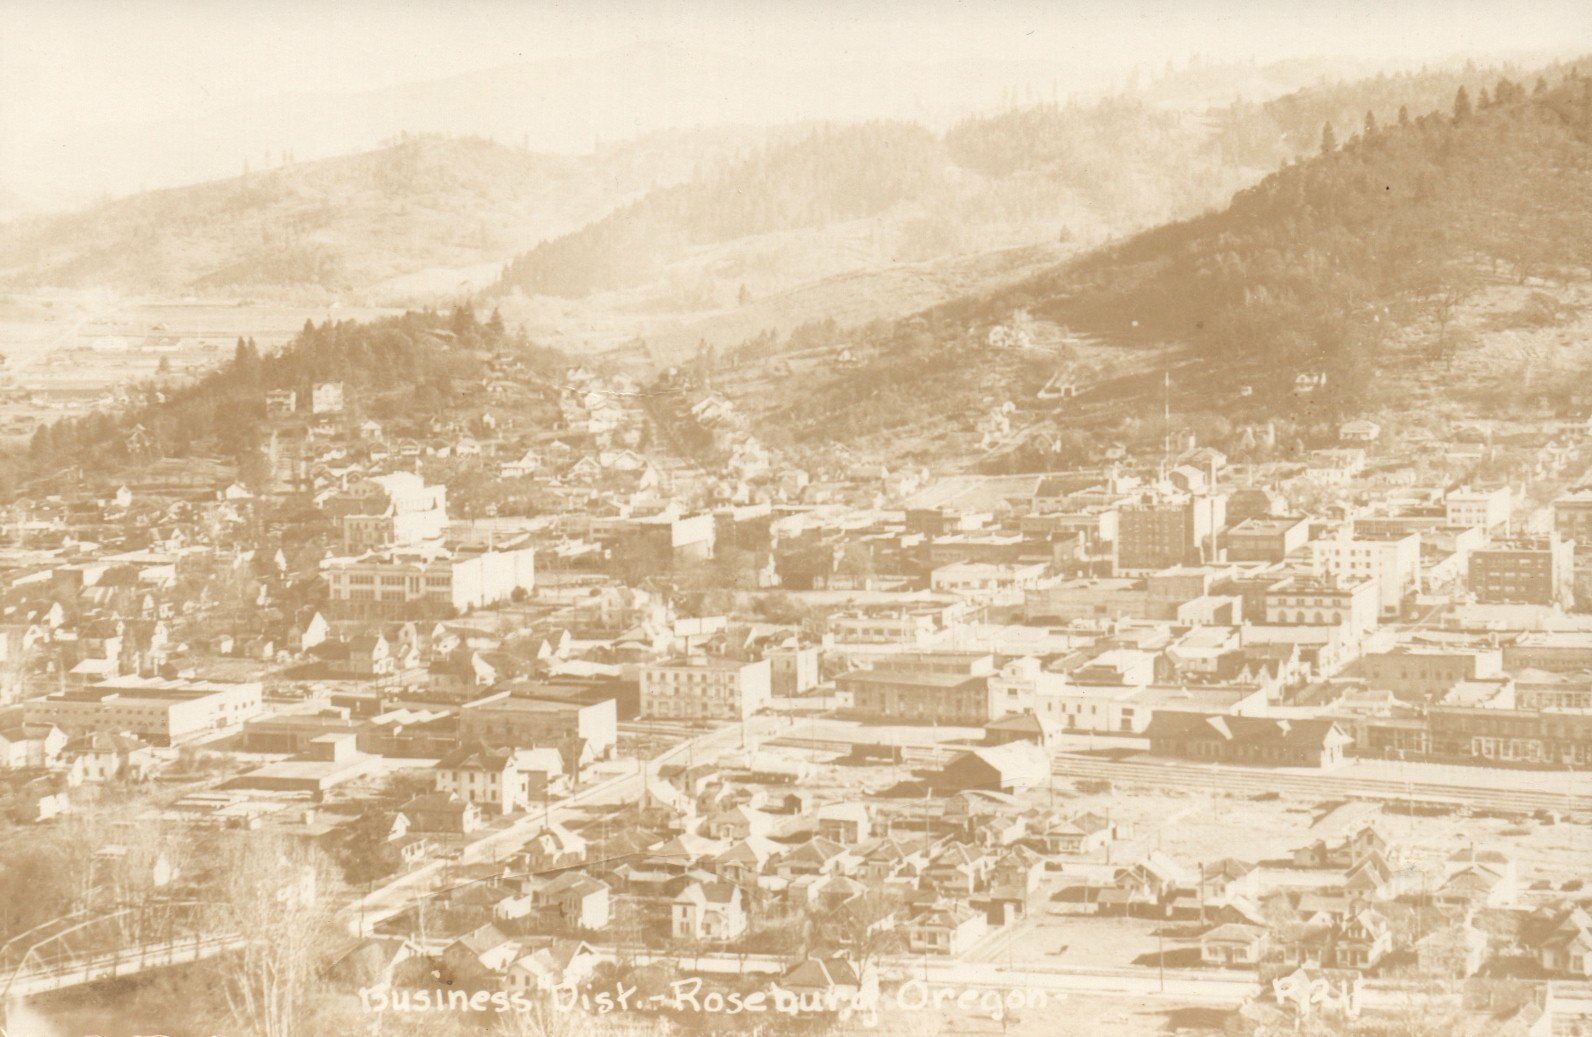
(1135, 163)
(403, 370)
(1317, 263)
(834, 174)
(1074, 172)
(1380, 262)
(1289, 125)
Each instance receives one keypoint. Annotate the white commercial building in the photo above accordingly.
(387, 510)
(703, 687)
(1078, 703)
(430, 578)
(1023, 686)
(987, 582)
(1392, 563)
(1487, 509)
(164, 712)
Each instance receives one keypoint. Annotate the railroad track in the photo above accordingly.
(1323, 785)
(1179, 774)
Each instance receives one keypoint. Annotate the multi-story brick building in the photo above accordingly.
(1159, 533)
(1531, 570)
(1561, 651)
(1265, 539)
(522, 722)
(1541, 689)
(384, 510)
(1488, 734)
(1424, 674)
(1572, 520)
(1572, 517)
(794, 668)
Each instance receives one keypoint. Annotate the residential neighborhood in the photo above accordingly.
(789, 520)
(1090, 719)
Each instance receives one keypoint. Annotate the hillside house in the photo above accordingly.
(30, 746)
(559, 964)
(1077, 835)
(1360, 430)
(1452, 952)
(102, 756)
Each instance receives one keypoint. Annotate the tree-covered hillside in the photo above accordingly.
(1075, 172)
(1035, 174)
(1131, 163)
(1313, 266)
(1289, 125)
(1355, 263)
(403, 368)
(835, 174)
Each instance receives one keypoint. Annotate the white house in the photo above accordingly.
(708, 911)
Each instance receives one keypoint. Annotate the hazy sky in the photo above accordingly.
(71, 68)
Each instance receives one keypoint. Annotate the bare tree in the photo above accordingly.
(541, 1018)
(865, 928)
(274, 895)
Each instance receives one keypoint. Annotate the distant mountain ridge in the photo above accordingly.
(1019, 178)
(346, 223)
(1014, 177)
(567, 104)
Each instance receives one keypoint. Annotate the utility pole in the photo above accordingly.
(1166, 421)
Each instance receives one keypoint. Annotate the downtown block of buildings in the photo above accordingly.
(603, 599)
